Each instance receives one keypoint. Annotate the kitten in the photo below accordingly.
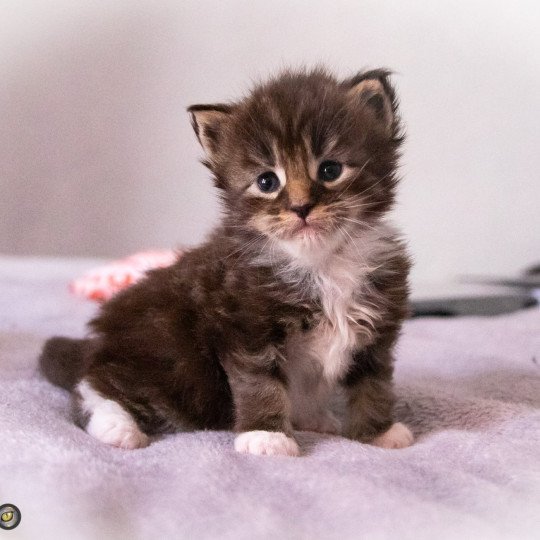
(299, 292)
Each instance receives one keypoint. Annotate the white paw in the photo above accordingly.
(109, 421)
(398, 436)
(116, 432)
(266, 443)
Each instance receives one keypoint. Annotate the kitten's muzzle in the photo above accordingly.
(302, 211)
(306, 228)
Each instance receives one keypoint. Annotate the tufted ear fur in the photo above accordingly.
(209, 121)
(373, 90)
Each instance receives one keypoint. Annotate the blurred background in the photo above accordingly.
(97, 156)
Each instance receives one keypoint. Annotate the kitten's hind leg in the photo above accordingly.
(106, 420)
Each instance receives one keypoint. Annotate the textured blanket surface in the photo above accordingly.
(469, 388)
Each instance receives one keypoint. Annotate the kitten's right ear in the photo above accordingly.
(209, 121)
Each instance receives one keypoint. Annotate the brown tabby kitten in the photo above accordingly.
(300, 291)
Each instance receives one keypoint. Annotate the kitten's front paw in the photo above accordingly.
(398, 436)
(266, 443)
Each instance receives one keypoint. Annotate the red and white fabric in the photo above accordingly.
(103, 282)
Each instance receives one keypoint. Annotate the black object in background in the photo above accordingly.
(458, 299)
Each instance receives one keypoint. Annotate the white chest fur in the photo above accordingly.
(318, 358)
(350, 311)
(347, 318)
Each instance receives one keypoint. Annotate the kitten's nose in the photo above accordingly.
(302, 211)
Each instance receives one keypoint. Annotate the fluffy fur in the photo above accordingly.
(300, 291)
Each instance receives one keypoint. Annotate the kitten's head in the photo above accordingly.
(305, 159)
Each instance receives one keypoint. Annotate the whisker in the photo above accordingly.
(358, 222)
(363, 192)
(244, 247)
(353, 243)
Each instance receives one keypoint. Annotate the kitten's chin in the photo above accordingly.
(309, 245)
(305, 237)
(307, 232)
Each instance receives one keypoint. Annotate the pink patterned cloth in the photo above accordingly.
(103, 282)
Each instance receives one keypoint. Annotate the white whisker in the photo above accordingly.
(358, 222)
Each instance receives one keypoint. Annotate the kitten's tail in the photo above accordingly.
(63, 360)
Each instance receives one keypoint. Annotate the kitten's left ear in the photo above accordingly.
(373, 90)
(209, 122)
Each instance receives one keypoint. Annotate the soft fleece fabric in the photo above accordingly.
(469, 388)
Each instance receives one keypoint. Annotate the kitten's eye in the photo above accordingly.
(268, 182)
(329, 171)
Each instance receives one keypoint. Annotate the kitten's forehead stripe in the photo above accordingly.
(262, 148)
(294, 109)
(297, 122)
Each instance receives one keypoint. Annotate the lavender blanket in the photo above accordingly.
(469, 388)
